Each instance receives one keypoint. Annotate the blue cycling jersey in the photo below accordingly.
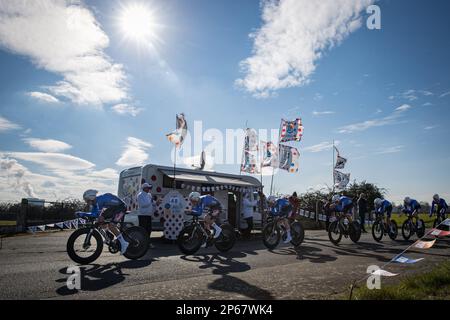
(384, 205)
(412, 206)
(441, 204)
(281, 207)
(343, 202)
(106, 200)
(206, 201)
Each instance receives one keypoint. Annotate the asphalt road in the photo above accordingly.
(34, 267)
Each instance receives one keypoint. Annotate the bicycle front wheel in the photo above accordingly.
(84, 245)
(335, 232)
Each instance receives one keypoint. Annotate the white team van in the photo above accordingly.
(227, 188)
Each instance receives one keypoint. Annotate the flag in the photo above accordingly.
(341, 180)
(288, 158)
(381, 272)
(424, 244)
(291, 130)
(177, 136)
(340, 161)
(250, 163)
(269, 156)
(439, 233)
(403, 259)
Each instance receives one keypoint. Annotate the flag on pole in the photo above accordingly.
(340, 161)
(269, 156)
(384, 273)
(177, 136)
(439, 233)
(291, 130)
(341, 180)
(250, 163)
(288, 157)
(424, 244)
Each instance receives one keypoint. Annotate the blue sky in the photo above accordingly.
(68, 71)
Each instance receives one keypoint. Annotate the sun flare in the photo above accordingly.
(138, 23)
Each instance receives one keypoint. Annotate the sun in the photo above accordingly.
(138, 23)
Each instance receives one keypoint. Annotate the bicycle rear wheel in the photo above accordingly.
(138, 240)
(393, 230)
(355, 231)
(227, 239)
(297, 233)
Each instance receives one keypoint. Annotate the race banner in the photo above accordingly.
(288, 158)
(341, 180)
(177, 136)
(250, 162)
(424, 244)
(403, 259)
(269, 155)
(446, 222)
(291, 130)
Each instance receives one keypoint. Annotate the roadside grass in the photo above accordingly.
(424, 216)
(4, 223)
(433, 285)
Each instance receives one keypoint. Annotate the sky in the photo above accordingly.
(90, 88)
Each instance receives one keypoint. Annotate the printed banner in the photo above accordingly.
(269, 155)
(341, 180)
(288, 157)
(177, 136)
(340, 162)
(446, 222)
(250, 163)
(424, 244)
(403, 259)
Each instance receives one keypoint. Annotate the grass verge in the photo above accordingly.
(433, 285)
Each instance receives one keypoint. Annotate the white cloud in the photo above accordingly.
(322, 113)
(410, 95)
(323, 146)
(47, 145)
(12, 174)
(430, 127)
(427, 104)
(6, 125)
(294, 36)
(135, 153)
(394, 149)
(444, 94)
(64, 37)
(380, 122)
(124, 108)
(44, 97)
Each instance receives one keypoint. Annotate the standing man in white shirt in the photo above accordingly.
(146, 208)
(248, 207)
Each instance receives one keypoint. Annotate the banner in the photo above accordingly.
(403, 259)
(177, 136)
(250, 163)
(291, 130)
(424, 244)
(288, 158)
(341, 180)
(269, 155)
(340, 162)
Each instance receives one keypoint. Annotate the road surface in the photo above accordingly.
(34, 267)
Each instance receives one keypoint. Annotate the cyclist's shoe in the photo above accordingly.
(123, 247)
(205, 244)
(217, 231)
(288, 239)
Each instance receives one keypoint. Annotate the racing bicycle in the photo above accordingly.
(380, 228)
(342, 226)
(274, 231)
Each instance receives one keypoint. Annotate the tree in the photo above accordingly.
(371, 191)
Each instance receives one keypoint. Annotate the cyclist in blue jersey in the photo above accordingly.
(107, 207)
(343, 204)
(411, 207)
(212, 205)
(440, 205)
(383, 206)
(283, 208)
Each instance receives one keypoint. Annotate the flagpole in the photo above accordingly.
(175, 159)
(279, 142)
(333, 168)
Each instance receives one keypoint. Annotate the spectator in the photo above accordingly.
(146, 208)
(295, 203)
(249, 203)
(362, 210)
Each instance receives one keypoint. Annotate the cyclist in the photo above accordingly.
(342, 204)
(107, 207)
(200, 203)
(281, 207)
(441, 206)
(411, 207)
(383, 206)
